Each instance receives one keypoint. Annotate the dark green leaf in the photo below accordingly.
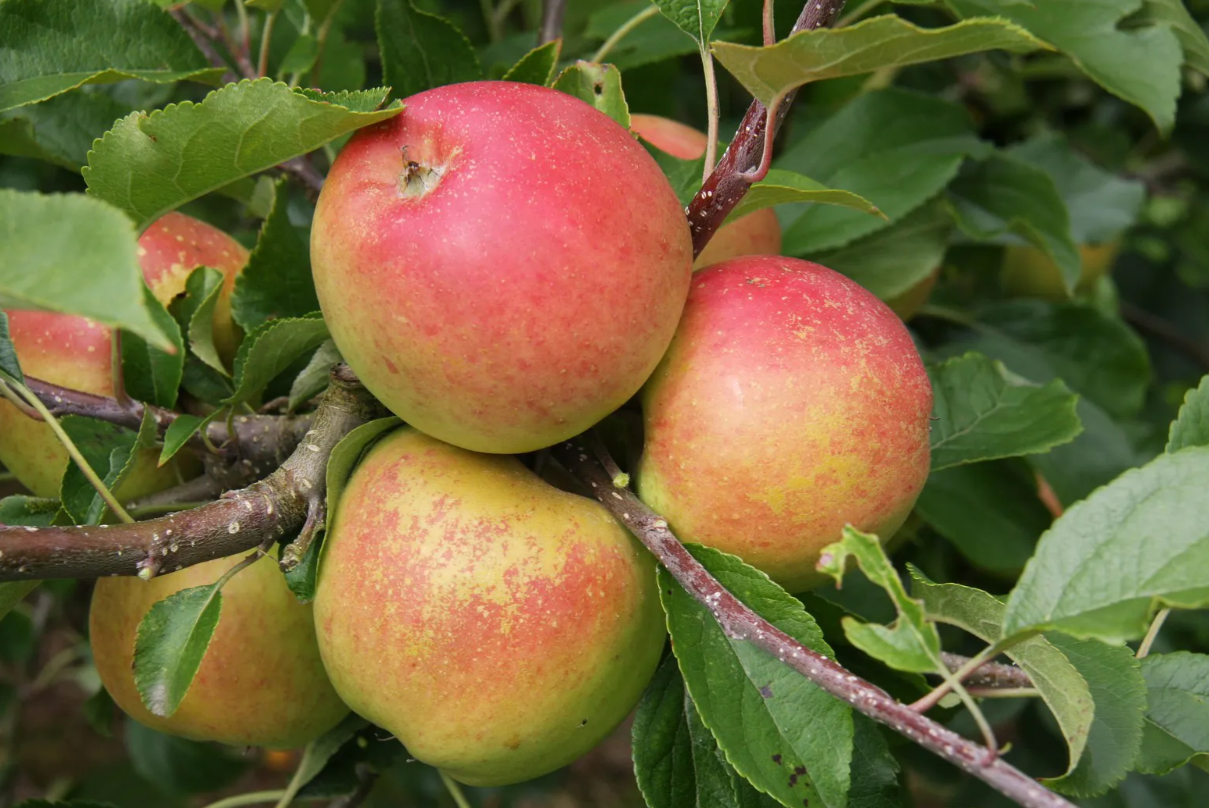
(149, 164)
(984, 412)
(150, 373)
(314, 378)
(781, 187)
(344, 458)
(61, 130)
(598, 85)
(13, 592)
(277, 280)
(537, 66)
(683, 175)
(770, 722)
(28, 511)
(653, 40)
(44, 267)
(1177, 712)
(99, 712)
(179, 433)
(50, 48)
(1191, 427)
(1002, 196)
(271, 349)
(196, 315)
(179, 766)
(1095, 458)
(697, 18)
(1187, 30)
(421, 50)
(1090, 576)
(172, 640)
(889, 41)
(111, 452)
(10, 368)
(320, 751)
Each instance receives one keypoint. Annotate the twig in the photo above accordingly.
(950, 683)
(199, 489)
(266, 38)
(300, 168)
(988, 674)
(1165, 331)
(552, 20)
(204, 42)
(621, 33)
(1004, 692)
(1152, 633)
(724, 188)
(740, 623)
(270, 509)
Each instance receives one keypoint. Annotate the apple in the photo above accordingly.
(907, 304)
(75, 352)
(791, 402)
(1029, 272)
(757, 233)
(497, 626)
(501, 264)
(261, 682)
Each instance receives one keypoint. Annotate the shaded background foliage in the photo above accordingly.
(967, 134)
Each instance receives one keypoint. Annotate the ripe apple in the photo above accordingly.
(907, 304)
(501, 264)
(1029, 272)
(261, 682)
(498, 626)
(75, 352)
(791, 402)
(756, 233)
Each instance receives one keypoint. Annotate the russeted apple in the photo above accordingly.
(501, 264)
(261, 682)
(1030, 272)
(757, 233)
(75, 352)
(498, 626)
(791, 402)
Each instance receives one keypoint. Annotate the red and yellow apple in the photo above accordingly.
(757, 233)
(498, 626)
(261, 682)
(501, 264)
(1029, 272)
(75, 352)
(791, 402)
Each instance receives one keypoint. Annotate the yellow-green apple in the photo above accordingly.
(498, 626)
(261, 682)
(791, 402)
(1029, 272)
(907, 304)
(75, 352)
(757, 233)
(501, 264)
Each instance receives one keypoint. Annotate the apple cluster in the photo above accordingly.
(504, 266)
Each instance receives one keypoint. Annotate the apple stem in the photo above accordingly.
(264, 511)
(728, 183)
(739, 622)
(711, 104)
(770, 27)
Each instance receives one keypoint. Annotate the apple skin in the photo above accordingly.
(75, 352)
(261, 682)
(792, 402)
(526, 281)
(1029, 272)
(498, 626)
(907, 304)
(757, 233)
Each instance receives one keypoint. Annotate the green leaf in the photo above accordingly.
(13, 592)
(538, 65)
(984, 412)
(683, 175)
(52, 47)
(896, 148)
(1109, 562)
(272, 348)
(111, 451)
(1096, 354)
(421, 50)
(1002, 196)
(1177, 712)
(277, 281)
(697, 18)
(321, 750)
(989, 511)
(781, 187)
(44, 267)
(301, 56)
(598, 85)
(179, 766)
(1097, 457)
(1141, 66)
(874, 769)
(676, 760)
(60, 130)
(172, 639)
(1191, 426)
(26, 511)
(180, 431)
(149, 164)
(910, 643)
(99, 710)
(890, 41)
(314, 378)
(1100, 204)
(770, 722)
(202, 289)
(1186, 29)
(10, 368)
(893, 260)
(1092, 689)
(655, 39)
(150, 373)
